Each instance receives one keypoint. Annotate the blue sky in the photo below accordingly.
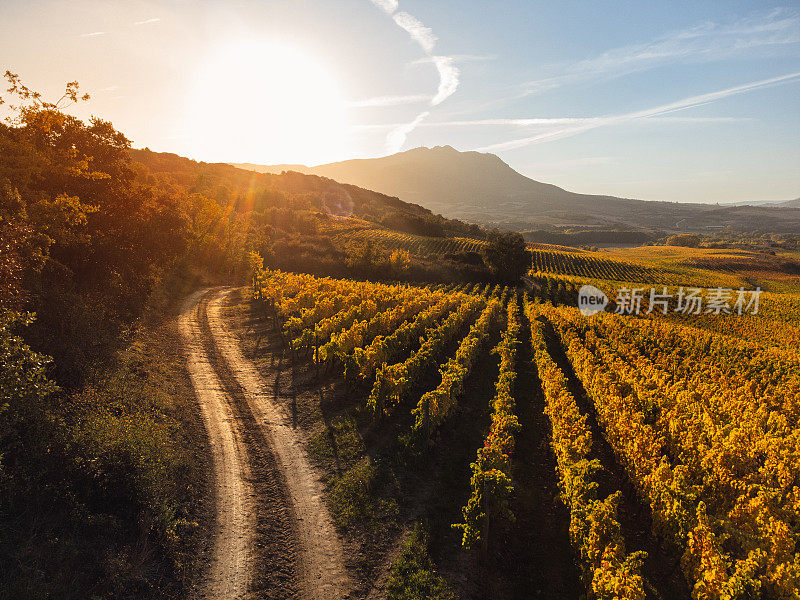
(679, 101)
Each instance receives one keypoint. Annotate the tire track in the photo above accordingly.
(320, 567)
(230, 570)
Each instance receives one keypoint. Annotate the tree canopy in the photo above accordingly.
(507, 255)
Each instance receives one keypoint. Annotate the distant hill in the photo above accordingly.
(467, 184)
(246, 190)
(790, 203)
(482, 188)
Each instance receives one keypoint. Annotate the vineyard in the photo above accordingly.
(416, 244)
(702, 428)
(591, 267)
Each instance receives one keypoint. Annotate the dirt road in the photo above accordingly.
(230, 570)
(228, 386)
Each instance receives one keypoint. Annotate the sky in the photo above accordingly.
(682, 101)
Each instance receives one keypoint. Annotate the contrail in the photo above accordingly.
(448, 73)
(690, 102)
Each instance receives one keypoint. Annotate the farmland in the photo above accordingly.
(673, 443)
(417, 244)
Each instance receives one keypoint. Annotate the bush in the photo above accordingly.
(94, 492)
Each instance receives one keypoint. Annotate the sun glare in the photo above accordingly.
(266, 103)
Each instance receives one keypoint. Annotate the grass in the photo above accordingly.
(413, 576)
(353, 498)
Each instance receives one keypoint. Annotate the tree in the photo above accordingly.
(92, 242)
(507, 255)
(688, 240)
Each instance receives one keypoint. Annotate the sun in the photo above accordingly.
(268, 103)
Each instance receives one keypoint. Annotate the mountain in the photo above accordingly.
(790, 203)
(481, 188)
(473, 185)
(246, 190)
(773, 203)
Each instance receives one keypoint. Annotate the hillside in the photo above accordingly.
(482, 188)
(247, 191)
(314, 224)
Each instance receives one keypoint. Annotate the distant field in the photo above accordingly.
(416, 244)
(590, 266)
(643, 265)
(671, 265)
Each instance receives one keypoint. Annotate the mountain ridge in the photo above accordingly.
(482, 188)
(443, 178)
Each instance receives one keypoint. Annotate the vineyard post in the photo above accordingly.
(274, 312)
(319, 381)
(426, 415)
(485, 536)
(316, 355)
(347, 388)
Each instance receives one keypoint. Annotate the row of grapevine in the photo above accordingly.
(384, 349)
(364, 328)
(434, 406)
(704, 425)
(554, 290)
(764, 556)
(594, 529)
(417, 244)
(313, 309)
(736, 437)
(319, 332)
(342, 344)
(491, 483)
(393, 383)
(591, 267)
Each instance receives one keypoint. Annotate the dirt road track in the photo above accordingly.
(221, 374)
(321, 572)
(230, 570)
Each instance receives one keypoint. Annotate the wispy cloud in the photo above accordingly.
(418, 32)
(551, 122)
(459, 58)
(445, 66)
(664, 109)
(147, 21)
(93, 34)
(397, 137)
(448, 78)
(704, 42)
(390, 100)
(388, 5)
